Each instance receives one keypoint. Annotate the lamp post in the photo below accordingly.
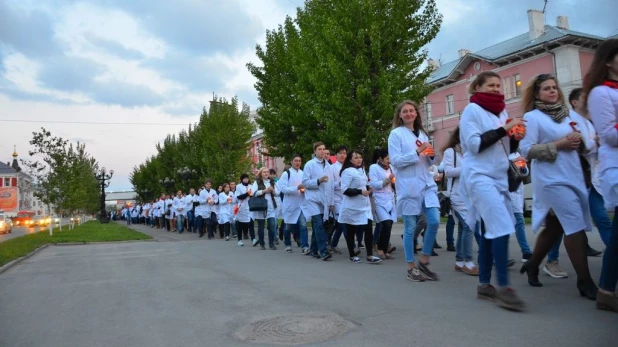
(167, 183)
(186, 174)
(102, 176)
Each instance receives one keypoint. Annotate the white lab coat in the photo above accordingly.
(557, 186)
(483, 182)
(226, 208)
(603, 108)
(355, 210)
(204, 209)
(318, 197)
(188, 201)
(271, 212)
(337, 193)
(169, 202)
(292, 198)
(414, 183)
(179, 207)
(244, 215)
(452, 171)
(383, 195)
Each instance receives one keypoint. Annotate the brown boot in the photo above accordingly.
(507, 298)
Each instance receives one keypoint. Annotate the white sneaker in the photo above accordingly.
(288, 249)
(255, 242)
(227, 238)
(305, 250)
(240, 244)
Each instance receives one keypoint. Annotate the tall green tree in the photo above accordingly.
(336, 72)
(215, 148)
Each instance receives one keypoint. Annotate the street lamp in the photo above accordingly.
(102, 175)
(186, 174)
(167, 183)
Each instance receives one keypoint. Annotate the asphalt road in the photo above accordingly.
(185, 291)
(22, 230)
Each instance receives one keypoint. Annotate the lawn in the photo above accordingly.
(92, 231)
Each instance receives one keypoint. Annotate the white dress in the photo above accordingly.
(414, 183)
(483, 179)
(603, 108)
(383, 195)
(560, 185)
(355, 210)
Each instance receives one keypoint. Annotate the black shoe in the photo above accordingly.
(392, 250)
(533, 274)
(201, 235)
(525, 257)
(450, 248)
(436, 245)
(316, 256)
(433, 253)
(327, 256)
(361, 246)
(262, 247)
(511, 263)
(587, 288)
(273, 248)
(426, 271)
(591, 252)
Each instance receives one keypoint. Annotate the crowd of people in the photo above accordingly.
(570, 156)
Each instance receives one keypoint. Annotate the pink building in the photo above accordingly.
(259, 153)
(543, 49)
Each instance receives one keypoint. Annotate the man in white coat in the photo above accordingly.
(291, 185)
(179, 211)
(190, 204)
(208, 198)
(318, 200)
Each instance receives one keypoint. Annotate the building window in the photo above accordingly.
(517, 80)
(450, 104)
(7, 181)
(506, 85)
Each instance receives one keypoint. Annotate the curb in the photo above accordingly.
(12, 263)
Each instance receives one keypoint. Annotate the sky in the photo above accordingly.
(120, 75)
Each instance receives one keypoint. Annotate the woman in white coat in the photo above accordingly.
(291, 185)
(484, 183)
(381, 179)
(602, 91)
(553, 143)
(243, 216)
(226, 210)
(355, 207)
(411, 156)
(264, 186)
(453, 161)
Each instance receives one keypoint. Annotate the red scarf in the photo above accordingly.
(611, 84)
(491, 102)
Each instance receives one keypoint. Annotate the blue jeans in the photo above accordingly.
(409, 225)
(520, 233)
(318, 236)
(493, 250)
(271, 228)
(191, 220)
(301, 227)
(599, 215)
(341, 229)
(554, 252)
(609, 271)
(465, 235)
(179, 223)
(450, 230)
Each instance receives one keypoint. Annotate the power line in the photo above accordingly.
(87, 123)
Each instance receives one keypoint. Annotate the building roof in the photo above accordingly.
(502, 53)
(6, 169)
(128, 195)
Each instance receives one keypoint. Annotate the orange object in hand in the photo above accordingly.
(229, 199)
(250, 192)
(302, 190)
(393, 180)
(520, 163)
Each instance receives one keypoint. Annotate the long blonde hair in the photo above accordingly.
(418, 121)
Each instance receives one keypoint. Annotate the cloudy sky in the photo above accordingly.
(119, 75)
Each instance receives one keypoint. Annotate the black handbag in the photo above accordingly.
(515, 176)
(258, 203)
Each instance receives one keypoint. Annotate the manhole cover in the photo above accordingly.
(295, 329)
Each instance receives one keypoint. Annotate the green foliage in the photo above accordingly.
(64, 175)
(336, 72)
(215, 148)
(88, 232)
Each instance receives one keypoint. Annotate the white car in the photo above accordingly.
(6, 225)
(55, 219)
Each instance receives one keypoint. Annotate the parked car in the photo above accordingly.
(40, 221)
(55, 219)
(6, 225)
